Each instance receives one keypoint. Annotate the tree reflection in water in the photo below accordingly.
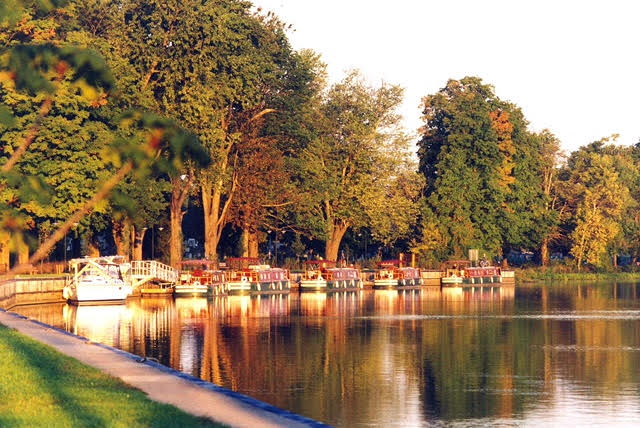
(479, 355)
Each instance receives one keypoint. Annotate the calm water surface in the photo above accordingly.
(555, 355)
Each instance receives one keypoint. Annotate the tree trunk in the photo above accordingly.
(215, 213)
(138, 239)
(211, 205)
(250, 243)
(179, 192)
(23, 253)
(122, 237)
(215, 216)
(254, 240)
(544, 252)
(175, 241)
(333, 243)
(5, 253)
(92, 248)
(579, 261)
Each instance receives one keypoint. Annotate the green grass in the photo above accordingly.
(550, 274)
(42, 387)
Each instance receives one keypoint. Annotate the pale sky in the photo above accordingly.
(572, 66)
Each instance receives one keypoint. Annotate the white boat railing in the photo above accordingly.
(143, 271)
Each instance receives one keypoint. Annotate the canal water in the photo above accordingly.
(555, 355)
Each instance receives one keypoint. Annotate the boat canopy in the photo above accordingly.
(456, 264)
(194, 264)
(236, 263)
(318, 263)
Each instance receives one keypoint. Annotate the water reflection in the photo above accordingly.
(397, 358)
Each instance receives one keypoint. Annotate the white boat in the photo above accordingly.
(323, 275)
(98, 279)
(199, 278)
(451, 280)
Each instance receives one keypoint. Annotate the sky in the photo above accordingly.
(571, 66)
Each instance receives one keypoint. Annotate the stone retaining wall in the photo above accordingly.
(31, 290)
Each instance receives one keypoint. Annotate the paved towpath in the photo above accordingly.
(159, 382)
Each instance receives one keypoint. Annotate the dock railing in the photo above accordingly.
(143, 271)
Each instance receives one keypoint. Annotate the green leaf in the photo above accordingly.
(6, 117)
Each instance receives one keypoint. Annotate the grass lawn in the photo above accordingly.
(41, 387)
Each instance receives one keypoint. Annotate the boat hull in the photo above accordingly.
(313, 285)
(98, 293)
(190, 290)
(451, 281)
(156, 292)
(245, 287)
(382, 284)
(337, 285)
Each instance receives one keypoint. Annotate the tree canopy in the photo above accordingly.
(115, 115)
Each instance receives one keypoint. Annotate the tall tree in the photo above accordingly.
(211, 65)
(34, 67)
(551, 156)
(56, 121)
(262, 185)
(599, 199)
(354, 128)
(265, 190)
(482, 168)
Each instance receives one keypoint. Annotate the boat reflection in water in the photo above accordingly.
(107, 324)
(313, 304)
(456, 356)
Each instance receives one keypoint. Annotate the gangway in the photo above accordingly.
(143, 271)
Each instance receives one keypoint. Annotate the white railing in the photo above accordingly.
(148, 270)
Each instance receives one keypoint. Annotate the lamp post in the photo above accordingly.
(276, 249)
(269, 246)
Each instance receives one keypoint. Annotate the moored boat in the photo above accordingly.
(323, 275)
(200, 278)
(453, 272)
(392, 274)
(247, 275)
(460, 273)
(482, 275)
(157, 290)
(98, 280)
(508, 276)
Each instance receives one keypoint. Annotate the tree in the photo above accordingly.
(624, 164)
(34, 68)
(264, 170)
(355, 134)
(482, 168)
(51, 139)
(551, 157)
(262, 186)
(391, 202)
(211, 65)
(600, 200)
(142, 202)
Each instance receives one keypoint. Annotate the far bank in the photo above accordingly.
(544, 274)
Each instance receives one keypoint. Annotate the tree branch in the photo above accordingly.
(60, 233)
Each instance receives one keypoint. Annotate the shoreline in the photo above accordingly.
(158, 382)
(539, 275)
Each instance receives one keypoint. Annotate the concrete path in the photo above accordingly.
(159, 382)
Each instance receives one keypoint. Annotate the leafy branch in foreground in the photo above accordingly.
(165, 150)
(37, 72)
